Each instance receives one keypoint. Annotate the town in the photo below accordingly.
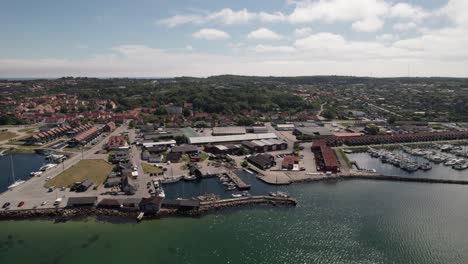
(120, 144)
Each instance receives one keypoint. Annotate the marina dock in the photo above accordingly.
(241, 185)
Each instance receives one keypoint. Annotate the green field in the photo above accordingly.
(93, 170)
(148, 168)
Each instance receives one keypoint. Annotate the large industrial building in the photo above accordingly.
(325, 157)
(230, 139)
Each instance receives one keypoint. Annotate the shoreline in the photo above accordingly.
(66, 214)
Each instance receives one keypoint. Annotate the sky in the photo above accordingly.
(163, 38)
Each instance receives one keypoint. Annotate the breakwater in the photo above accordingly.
(65, 214)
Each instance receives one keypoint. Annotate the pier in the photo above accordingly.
(404, 179)
(241, 185)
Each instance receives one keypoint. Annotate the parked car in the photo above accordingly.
(44, 203)
(6, 205)
(20, 204)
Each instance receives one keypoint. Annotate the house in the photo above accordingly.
(117, 143)
(120, 156)
(173, 157)
(290, 163)
(112, 182)
(128, 186)
(84, 186)
(262, 161)
(185, 149)
(151, 205)
(131, 204)
(109, 203)
(81, 201)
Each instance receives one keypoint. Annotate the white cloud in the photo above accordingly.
(410, 26)
(387, 38)
(272, 17)
(265, 34)
(210, 34)
(436, 54)
(302, 32)
(338, 10)
(229, 17)
(368, 25)
(407, 11)
(273, 49)
(456, 11)
(179, 20)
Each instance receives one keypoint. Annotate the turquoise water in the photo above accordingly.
(346, 222)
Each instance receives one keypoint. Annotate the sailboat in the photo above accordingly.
(15, 183)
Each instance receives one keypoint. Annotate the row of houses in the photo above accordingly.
(398, 138)
(325, 157)
(49, 135)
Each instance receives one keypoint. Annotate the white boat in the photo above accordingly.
(16, 184)
(170, 180)
(160, 193)
(36, 173)
(2, 153)
(189, 177)
(236, 195)
(248, 171)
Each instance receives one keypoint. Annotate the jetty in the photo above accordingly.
(252, 200)
(241, 185)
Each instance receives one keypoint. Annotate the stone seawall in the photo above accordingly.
(65, 214)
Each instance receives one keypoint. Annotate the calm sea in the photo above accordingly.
(23, 164)
(344, 222)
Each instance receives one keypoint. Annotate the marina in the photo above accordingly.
(440, 161)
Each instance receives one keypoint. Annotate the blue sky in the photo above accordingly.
(146, 38)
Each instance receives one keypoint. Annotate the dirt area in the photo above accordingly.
(7, 135)
(93, 170)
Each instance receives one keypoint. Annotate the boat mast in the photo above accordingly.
(12, 168)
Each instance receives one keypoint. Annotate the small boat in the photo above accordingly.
(189, 177)
(248, 171)
(425, 166)
(450, 162)
(16, 184)
(2, 153)
(48, 166)
(231, 188)
(246, 194)
(160, 193)
(460, 166)
(140, 216)
(236, 195)
(36, 173)
(348, 151)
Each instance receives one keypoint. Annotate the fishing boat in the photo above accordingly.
(170, 180)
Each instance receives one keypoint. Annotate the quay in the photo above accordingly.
(241, 185)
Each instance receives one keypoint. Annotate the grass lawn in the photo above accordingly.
(94, 170)
(7, 135)
(30, 130)
(148, 168)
